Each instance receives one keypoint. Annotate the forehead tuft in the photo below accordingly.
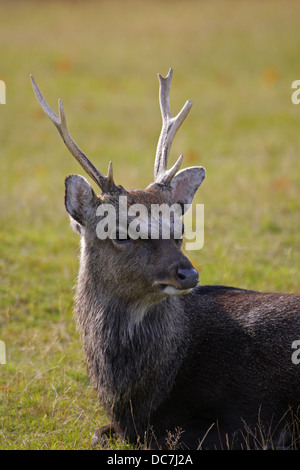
(146, 197)
(137, 196)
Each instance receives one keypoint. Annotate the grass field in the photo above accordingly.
(237, 61)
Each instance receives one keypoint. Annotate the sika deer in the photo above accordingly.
(216, 361)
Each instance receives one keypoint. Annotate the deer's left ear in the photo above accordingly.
(185, 184)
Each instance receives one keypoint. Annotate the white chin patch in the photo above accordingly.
(170, 290)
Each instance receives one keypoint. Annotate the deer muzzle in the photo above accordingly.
(182, 281)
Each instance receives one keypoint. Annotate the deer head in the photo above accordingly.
(127, 267)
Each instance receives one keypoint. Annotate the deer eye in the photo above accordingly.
(178, 242)
(121, 237)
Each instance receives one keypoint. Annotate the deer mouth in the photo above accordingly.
(172, 290)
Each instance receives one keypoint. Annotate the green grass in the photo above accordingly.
(237, 61)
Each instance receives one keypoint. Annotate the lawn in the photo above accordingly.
(236, 61)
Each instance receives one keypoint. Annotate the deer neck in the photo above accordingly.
(122, 316)
(96, 298)
(128, 343)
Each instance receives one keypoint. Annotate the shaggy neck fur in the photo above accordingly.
(129, 347)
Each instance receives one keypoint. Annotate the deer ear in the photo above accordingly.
(80, 199)
(185, 184)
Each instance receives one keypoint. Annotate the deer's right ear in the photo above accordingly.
(80, 199)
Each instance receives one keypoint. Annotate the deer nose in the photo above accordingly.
(187, 278)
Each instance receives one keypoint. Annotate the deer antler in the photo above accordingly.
(170, 125)
(106, 183)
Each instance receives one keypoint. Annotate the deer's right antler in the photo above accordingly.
(106, 183)
(170, 125)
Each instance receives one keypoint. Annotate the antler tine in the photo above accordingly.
(105, 183)
(170, 125)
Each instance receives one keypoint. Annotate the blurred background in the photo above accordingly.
(236, 61)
